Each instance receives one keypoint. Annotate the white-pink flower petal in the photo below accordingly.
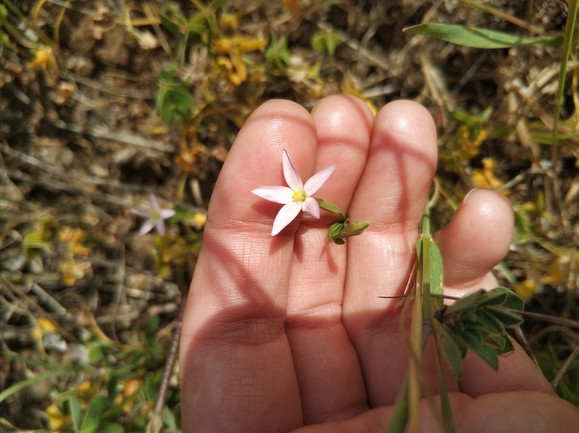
(315, 182)
(146, 227)
(312, 207)
(141, 212)
(166, 213)
(154, 202)
(277, 194)
(285, 216)
(290, 174)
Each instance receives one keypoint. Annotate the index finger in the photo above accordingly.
(233, 346)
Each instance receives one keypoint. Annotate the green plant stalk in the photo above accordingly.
(416, 349)
(566, 50)
(400, 416)
(445, 408)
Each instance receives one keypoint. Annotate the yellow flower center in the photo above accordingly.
(299, 196)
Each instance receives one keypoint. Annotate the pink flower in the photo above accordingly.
(295, 198)
(155, 217)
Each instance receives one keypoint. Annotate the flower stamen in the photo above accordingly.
(299, 196)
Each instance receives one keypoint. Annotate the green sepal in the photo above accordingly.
(328, 206)
(354, 229)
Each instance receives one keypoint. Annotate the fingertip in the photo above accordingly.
(410, 123)
(476, 239)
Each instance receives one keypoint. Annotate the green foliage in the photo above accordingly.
(174, 100)
(550, 361)
(277, 52)
(478, 322)
(326, 41)
(115, 393)
(477, 37)
(199, 27)
(3, 35)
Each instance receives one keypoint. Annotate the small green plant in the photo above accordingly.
(174, 100)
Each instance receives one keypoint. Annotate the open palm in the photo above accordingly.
(290, 331)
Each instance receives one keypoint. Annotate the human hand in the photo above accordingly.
(290, 331)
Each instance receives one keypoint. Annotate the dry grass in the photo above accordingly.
(84, 295)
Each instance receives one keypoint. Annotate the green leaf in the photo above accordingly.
(512, 301)
(173, 104)
(39, 378)
(501, 344)
(3, 14)
(463, 304)
(277, 53)
(171, 26)
(490, 322)
(506, 317)
(151, 327)
(453, 351)
(477, 37)
(112, 427)
(493, 297)
(94, 415)
(325, 41)
(399, 418)
(435, 268)
(75, 412)
(198, 23)
(445, 407)
(477, 346)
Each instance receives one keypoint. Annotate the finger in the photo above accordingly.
(236, 367)
(517, 372)
(528, 411)
(391, 194)
(327, 368)
(476, 239)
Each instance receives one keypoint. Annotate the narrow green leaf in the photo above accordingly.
(166, 22)
(463, 304)
(493, 298)
(94, 415)
(490, 322)
(477, 37)
(38, 378)
(435, 272)
(151, 327)
(481, 349)
(453, 352)
(3, 14)
(506, 317)
(75, 412)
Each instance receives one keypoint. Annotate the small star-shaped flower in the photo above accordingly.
(155, 217)
(295, 198)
